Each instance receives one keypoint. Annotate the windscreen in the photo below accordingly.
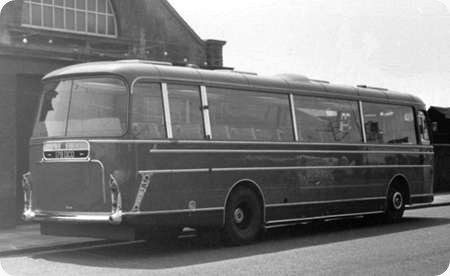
(83, 108)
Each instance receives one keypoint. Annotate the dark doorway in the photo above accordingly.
(27, 98)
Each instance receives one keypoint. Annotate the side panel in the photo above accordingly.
(297, 181)
(189, 181)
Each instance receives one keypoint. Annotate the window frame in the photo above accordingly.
(205, 111)
(290, 104)
(75, 10)
(426, 124)
(166, 105)
(78, 77)
(131, 109)
(415, 125)
(167, 109)
(355, 101)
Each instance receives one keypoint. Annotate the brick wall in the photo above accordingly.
(157, 29)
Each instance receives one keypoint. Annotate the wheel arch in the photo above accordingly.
(252, 185)
(401, 182)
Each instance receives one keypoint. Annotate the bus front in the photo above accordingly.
(73, 182)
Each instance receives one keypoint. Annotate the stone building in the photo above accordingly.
(38, 36)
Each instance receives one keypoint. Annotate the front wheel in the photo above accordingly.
(243, 217)
(395, 205)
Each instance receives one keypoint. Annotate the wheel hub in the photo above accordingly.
(397, 200)
(239, 215)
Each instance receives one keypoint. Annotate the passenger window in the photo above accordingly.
(249, 116)
(423, 128)
(389, 124)
(147, 111)
(327, 120)
(185, 112)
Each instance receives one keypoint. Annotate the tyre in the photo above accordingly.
(243, 217)
(395, 205)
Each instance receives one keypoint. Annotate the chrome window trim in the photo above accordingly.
(363, 126)
(205, 112)
(143, 78)
(293, 117)
(166, 107)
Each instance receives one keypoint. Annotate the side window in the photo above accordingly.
(327, 120)
(185, 111)
(249, 116)
(389, 124)
(147, 111)
(423, 128)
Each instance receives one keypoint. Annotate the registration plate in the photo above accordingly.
(66, 150)
(65, 154)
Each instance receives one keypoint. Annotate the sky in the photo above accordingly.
(2, 3)
(402, 45)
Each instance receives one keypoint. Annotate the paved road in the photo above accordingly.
(419, 245)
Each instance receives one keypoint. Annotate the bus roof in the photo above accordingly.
(160, 71)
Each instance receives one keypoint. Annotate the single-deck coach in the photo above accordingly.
(122, 149)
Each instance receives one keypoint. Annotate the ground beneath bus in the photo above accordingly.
(419, 245)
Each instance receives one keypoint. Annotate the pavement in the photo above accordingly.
(26, 239)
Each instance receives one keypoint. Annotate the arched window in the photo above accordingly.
(94, 17)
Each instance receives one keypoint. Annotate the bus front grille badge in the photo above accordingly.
(116, 202)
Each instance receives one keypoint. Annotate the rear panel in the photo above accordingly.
(67, 184)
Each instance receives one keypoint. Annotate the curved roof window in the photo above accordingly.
(93, 17)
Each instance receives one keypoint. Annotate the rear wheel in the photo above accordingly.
(395, 205)
(243, 217)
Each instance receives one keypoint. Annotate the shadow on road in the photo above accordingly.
(172, 253)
